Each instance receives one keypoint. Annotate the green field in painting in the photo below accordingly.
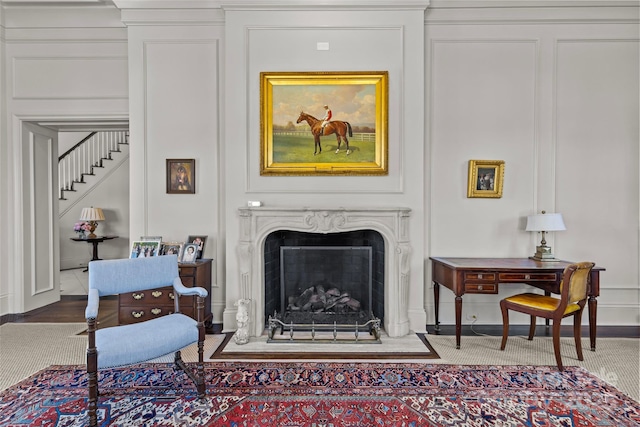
(299, 149)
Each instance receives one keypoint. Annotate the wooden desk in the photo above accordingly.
(484, 275)
(95, 241)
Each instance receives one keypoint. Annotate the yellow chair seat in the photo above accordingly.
(541, 302)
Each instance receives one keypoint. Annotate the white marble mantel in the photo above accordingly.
(256, 223)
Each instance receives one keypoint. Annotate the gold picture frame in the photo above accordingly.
(485, 178)
(353, 142)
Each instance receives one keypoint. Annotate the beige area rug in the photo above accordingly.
(26, 348)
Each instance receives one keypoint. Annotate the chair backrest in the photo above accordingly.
(116, 276)
(577, 276)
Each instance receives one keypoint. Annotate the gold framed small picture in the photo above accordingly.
(485, 178)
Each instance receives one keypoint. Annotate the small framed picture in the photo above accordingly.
(200, 241)
(485, 178)
(172, 248)
(181, 176)
(145, 248)
(189, 253)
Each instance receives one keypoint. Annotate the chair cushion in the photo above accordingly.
(140, 342)
(540, 302)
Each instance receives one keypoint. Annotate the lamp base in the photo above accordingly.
(543, 253)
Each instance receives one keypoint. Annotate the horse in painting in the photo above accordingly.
(341, 129)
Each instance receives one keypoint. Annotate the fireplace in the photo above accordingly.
(330, 281)
(262, 230)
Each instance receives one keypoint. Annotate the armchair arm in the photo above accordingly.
(183, 290)
(93, 302)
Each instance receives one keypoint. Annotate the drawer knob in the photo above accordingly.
(480, 287)
(156, 311)
(138, 295)
(156, 294)
(480, 277)
(171, 295)
(527, 276)
(137, 314)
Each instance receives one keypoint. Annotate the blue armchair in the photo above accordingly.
(140, 342)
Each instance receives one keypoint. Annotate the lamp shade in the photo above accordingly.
(92, 214)
(545, 222)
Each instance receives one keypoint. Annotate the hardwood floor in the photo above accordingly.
(70, 309)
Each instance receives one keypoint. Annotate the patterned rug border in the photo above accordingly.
(319, 393)
(219, 354)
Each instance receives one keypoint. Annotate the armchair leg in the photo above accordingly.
(200, 385)
(92, 374)
(556, 343)
(505, 324)
(532, 327)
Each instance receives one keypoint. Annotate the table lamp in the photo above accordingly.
(544, 223)
(92, 216)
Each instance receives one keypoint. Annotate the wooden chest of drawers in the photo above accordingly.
(144, 305)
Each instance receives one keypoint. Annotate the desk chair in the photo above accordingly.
(140, 342)
(573, 296)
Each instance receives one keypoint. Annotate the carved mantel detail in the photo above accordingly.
(392, 223)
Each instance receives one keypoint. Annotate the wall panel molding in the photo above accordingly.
(66, 78)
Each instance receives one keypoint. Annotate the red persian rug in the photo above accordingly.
(311, 394)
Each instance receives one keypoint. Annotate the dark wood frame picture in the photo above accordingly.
(201, 244)
(181, 176)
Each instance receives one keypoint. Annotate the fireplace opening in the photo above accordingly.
(330, 281)
(311, 292)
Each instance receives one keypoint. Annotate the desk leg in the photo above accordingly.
(593, 310)
(458, 320)
(436, 301)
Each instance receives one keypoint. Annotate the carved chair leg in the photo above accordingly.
(505, 324)
(92, 374)
(200, 383)
(556, 343)
(532, 327)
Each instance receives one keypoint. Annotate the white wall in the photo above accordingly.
(58, 65)
(553, 91)
(176, 77)
(557, 100)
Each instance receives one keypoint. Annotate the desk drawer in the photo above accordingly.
(159, 296)
(128, 315)
(483, 276)
(527, 277)
(480, 288)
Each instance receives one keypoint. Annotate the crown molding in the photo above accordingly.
(273, 4)
(471, 4)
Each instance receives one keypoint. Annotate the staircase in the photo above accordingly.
(84, 158)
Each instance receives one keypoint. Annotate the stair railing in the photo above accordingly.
(83, 157)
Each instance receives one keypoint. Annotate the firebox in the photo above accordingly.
(324, 282)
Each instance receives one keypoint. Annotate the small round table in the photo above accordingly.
(95, 241)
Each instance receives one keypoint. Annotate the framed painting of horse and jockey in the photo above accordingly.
(324, 123)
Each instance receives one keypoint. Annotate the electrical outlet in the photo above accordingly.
(472, 317)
